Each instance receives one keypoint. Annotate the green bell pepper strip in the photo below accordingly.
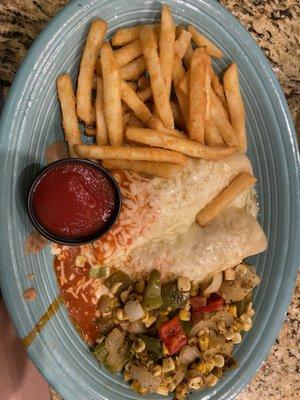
(152, 299)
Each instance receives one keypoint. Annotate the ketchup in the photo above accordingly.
(74, 200)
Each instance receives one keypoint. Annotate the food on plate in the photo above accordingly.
(184, 145)
(158, 84)
(73, 200)
(199, 100)
(235, 105)
(87, 69)
(237, 186)
(167, 46)
(68, 110)
(112, 95)
(163, 170)
(101, 125)
(166, 293)
(202, 41)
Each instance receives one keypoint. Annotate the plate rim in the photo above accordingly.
(16, 93)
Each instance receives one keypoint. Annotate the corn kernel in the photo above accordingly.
(165, 350)
(247, 327)
(195, 383)
(100, 339)
(135, 386)
(211, 380)
(229, 274)
(156, 371)
(138, 345)
(146, 316)
(126, 376)
(250, 312)
(241, 269)
(219, 361)
(168, 365)
(233, 310)
(229, 335)
(184, 315)
(183, 284)
(150, 321)
(121, 315)
(128, 366)
(237, 338)
(193, 341)
(80, 261)
(203, 342)
(168, 380)
(163, 390)
(116, 286)
(210, 365)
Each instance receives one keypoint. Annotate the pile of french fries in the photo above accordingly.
(151, 98)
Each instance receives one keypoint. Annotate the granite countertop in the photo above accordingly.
(275, 25)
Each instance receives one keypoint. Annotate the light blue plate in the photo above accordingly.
(31, 121)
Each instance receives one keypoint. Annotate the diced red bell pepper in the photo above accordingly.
(214, 302)
(172, 335)
(198, 301)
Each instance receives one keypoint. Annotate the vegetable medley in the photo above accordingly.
(175, 336)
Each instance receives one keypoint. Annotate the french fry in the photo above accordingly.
(211, 134)
(188, 56)
(184, 84)
(235, 105)
(186, 146)
(87, 69)
(202, 41)
(182, 43)
(236, 187)
(219, 117)
(67, 101)
(158, 86)
(183, 99)
(135, 103)
(112, 95)
(133, 70)
(126, 54)
(127, 35)
(178, 117)
(162, 170)
(199, 93)
(130, 153)
(145, 94)
(218, 88)
(101, 127)
(142, 111)
(166, 46)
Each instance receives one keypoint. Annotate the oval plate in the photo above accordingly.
(31, 121)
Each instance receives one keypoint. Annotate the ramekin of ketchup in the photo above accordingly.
(74, 201)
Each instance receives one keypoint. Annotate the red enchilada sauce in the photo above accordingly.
(74, 200)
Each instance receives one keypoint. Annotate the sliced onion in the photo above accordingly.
(215, 285)
(134, 310)
(144, 377)
(188, 354)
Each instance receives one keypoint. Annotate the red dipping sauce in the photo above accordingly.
(74, 200)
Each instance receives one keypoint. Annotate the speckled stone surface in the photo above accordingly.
(275, 25)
